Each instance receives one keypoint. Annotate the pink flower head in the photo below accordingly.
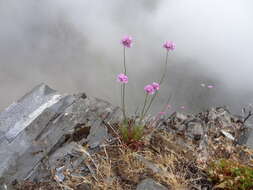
(127, 41)
(168, 106)
(182, 107)
(122, 78)
(149, 89)
(210, 86)
(169, 45)
(156, 85)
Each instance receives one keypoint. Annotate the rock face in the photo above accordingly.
(215, 121)
(46, 131)
(249, 142)
(39, 124)
(150, 184)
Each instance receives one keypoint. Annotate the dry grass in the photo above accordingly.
(172, 159)
(159, 156)
(118, 167)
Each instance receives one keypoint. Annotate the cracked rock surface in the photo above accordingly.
(38, 126)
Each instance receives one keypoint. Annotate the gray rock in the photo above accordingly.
(26, 121)
(249, 142)
(20, 114)
(149, 164)
(195, 129)
(98, 134)
(222, 115)
(62, 155)
(35, 127)
(150, 184)
(59, 175)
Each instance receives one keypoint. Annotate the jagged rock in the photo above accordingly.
(206, 128)
(215, 120)
(249, 137)
(223, 116)
(150, 184)
(98, 134)
(195, 129)
(35, 127)
(46, 131)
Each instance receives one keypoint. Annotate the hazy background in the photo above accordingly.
(73, 46)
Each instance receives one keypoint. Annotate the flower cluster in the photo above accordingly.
(152, 88)
(127, 41)
(169, 45)
(122, 78)
(134, 130)
(149, 89)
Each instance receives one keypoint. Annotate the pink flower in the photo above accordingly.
(127, 41)
(156, 85)
(182, 107)
(169, 45)
(210, 86)
(149, 89)
(122, 78)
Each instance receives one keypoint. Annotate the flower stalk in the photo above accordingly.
(143, 108)
(126, 42)
(160, 83)
(130, 130)
(124, 86)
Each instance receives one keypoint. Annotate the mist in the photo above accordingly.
(74, 46)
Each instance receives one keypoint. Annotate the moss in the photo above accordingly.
(229, 174)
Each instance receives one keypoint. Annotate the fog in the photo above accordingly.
(74, 46)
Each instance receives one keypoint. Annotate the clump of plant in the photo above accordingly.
(229, 174)
(133, 130)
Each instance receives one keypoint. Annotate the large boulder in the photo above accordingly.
(41, 122)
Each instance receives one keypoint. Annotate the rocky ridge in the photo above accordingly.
(54, 141)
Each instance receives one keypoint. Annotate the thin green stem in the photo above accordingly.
(165, 69)
(124, 53)
(143, 108)
(150, 103)
(123, 101)
(124, 86)
(121, 96)
(160, 82)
